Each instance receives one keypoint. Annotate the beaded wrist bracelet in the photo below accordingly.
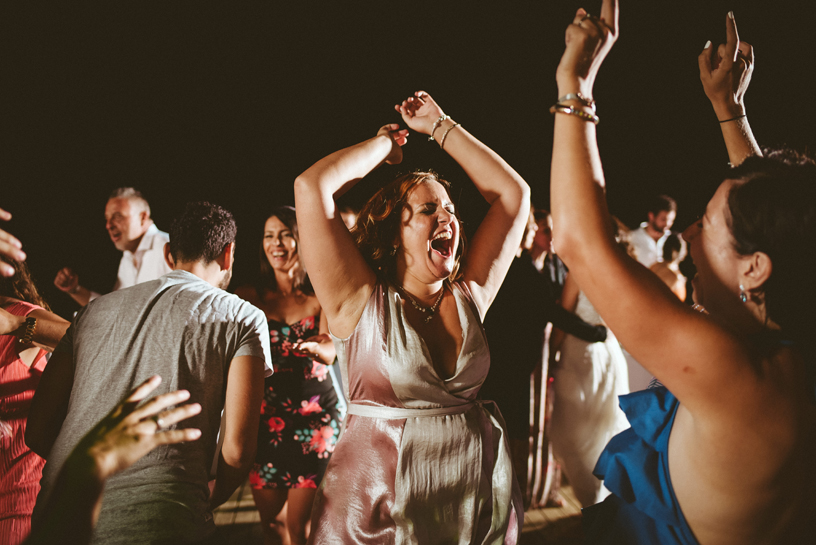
(436, 125)
(570, 110)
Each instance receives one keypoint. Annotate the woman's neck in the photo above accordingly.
(419, 290)
(285, 281)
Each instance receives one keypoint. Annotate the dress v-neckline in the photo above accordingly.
(425, 349)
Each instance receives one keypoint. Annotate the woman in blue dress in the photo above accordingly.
(299, 419)
(722, 452)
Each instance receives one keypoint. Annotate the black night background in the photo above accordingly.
(229, 102)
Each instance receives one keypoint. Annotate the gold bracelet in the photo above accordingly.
(445, 134)
(588, 102)
(570, 110)
(30, 326)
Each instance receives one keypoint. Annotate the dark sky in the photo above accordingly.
(229, 103)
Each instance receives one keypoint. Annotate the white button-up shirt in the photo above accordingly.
(146, 263)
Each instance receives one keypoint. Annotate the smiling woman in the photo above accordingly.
(420, 460)
(299, 418)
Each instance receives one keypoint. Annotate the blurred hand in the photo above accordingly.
(420, 112)
(398, 139)
(726, 72)
(66, 280)
(588, 40)
(311, 347)
(10, 247)
(127, 433)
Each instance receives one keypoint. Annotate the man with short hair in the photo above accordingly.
(648, 239)
(132, 231)
(197, 337)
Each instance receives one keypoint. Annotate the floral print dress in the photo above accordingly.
(299, 418)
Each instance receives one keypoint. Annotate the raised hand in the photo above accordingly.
(420, 112)
(726, 72)
(66, 280)
(127, 433)
(9, 247)
(399, 137)
(588, 39)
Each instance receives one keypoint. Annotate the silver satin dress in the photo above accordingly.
(420, 460)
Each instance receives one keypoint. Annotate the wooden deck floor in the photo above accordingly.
(240, 523)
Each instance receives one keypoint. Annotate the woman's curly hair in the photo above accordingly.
(378, 225)
(21, 286)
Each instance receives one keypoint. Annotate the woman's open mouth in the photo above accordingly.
(443, 244)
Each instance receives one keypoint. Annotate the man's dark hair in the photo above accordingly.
(662, 203)
(201, 232)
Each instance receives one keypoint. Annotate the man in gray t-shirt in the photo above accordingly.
(197, 337)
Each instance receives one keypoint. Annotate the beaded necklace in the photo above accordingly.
(422, 309)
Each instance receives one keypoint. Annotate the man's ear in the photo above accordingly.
(651, 216)
(755, 270)
(227, 257)
(143, 218)
(168, 257)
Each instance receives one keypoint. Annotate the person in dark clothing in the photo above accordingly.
(515, 327)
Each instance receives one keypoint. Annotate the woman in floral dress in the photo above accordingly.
(299, 419)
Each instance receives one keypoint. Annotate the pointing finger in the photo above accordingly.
(732, 41)
(704, 60)
(610, 11)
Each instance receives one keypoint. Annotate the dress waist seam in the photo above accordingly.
(394, 413)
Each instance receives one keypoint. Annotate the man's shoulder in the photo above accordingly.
(158, 238)
(640, 235)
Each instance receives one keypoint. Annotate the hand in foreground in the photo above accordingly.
(588, 39)
(399, 137)
(726, 72)
(10, 247)
(66, 280)
(127, 433)
(420, 112)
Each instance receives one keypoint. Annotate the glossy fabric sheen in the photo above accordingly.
(400, 478)
(635, 467)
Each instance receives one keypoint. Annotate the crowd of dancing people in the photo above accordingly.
(374, 383)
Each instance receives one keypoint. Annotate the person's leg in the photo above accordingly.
(269, 502)
(300, 511)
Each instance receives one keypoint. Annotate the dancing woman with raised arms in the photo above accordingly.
(720, 454)
(420, 460)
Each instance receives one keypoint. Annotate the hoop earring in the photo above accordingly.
(743, 296)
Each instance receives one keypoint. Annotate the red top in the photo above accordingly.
(20, 469)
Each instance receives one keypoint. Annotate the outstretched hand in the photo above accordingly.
(420, 112)
(127, 433)
(9, 247)
(399, 137)
(726, 72)
(588, 39)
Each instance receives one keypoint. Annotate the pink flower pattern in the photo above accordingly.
(299, 422)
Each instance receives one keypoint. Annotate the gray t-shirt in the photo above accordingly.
(187, 331)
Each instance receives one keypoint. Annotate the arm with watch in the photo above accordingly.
(39, 328)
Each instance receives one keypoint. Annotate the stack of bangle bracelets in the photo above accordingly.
(561, 108)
